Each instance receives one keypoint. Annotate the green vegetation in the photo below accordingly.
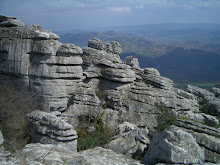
(93, 133)
(14, 106)
(166, 118)
(218, 126)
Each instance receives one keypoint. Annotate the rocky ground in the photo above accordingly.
(90, 82)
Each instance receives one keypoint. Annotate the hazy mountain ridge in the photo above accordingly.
(130, 43)
(179, 59)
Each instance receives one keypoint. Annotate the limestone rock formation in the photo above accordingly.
(207, 137)
(199, 92)
(51, 154)
(1, 141)
(216, 92)
(211, 104)
(34, 57)
(48, 128)
(6, 21)
(84, 83)
(131, 141)
(132, 61)
(174, 146)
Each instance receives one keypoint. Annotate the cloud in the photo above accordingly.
(139, 7)
(120, 9)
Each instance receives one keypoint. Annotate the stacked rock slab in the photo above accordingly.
(51, 154)
(207, 137)
(88, 81)
(174, 146)
(49, 128)
(34, 57)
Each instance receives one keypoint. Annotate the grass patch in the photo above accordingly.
(166, 118)
(15, 104)
(93, 133)
(218, 126)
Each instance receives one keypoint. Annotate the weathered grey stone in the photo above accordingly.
(103, 156)
(45, 47)
(1, 142)
(199, 92)
(206, 137)
(199, 117)
(11, 23)
(174, 146)
(197, 127)
(210, 142)
(216, 91)
(47, 128)
(213, 107)
(211, 157)
(41, 154)
(132, 61)
(56, 71)
(113, 47)
(116, 47)
(152, 76)
(69, 49)
(130, 141)
(120, 75)
(5, 18)
(95, 43)
(210, 120)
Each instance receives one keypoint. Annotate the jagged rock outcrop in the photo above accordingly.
(83, 83)
(34, 57)
(86, 81)
(202, 93)
(216, 92)
(207, 137)
(210, 103)
(131, 140)
(174, 146)
(6, 21)
(51, 154)
(48, 128)
(132, 61)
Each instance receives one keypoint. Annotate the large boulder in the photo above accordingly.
(202, 93)
(207, 137)
(132, 61)
(131, 140)
(213, 107)
(152, 76)
(174, 146)
(51, 154)
(48, 128)
(95, 43)
(6, 21)
(216, 91)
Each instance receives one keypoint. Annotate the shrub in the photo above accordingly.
(93, 133)
(166, 118)
(15, 104)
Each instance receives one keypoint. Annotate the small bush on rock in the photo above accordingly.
(93, 133)
(15, 104)
(166, 118)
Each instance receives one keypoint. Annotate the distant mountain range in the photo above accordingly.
(182, 52)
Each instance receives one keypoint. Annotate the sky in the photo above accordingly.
(89, 14)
